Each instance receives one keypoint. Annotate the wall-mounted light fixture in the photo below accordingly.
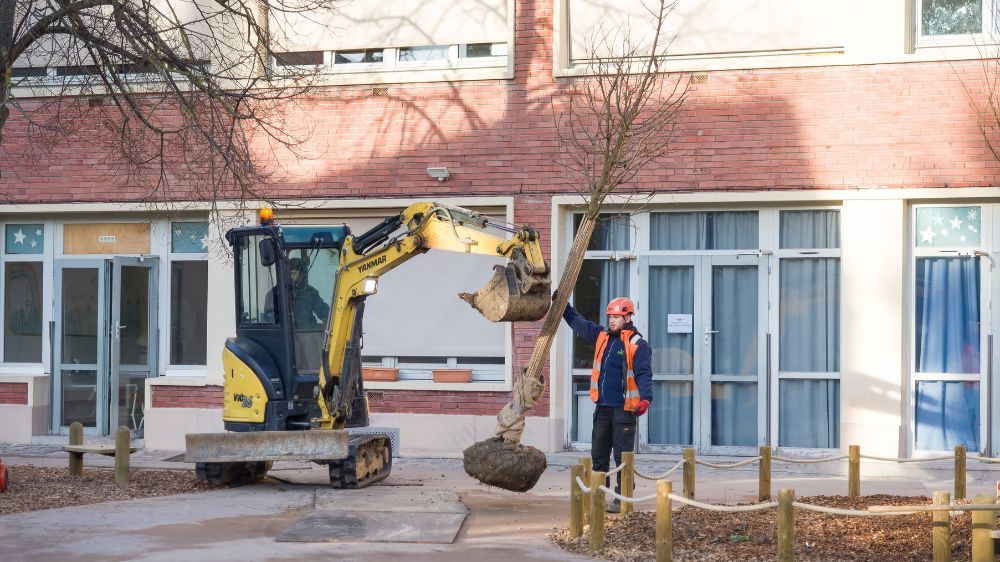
(440, 174)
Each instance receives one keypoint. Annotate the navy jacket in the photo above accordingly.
(611, 384)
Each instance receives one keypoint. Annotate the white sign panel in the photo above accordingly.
(680, 323)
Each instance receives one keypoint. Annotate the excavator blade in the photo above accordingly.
(512, 295)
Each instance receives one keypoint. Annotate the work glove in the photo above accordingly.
(643, 407)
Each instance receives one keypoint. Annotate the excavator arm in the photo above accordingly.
(518, 291)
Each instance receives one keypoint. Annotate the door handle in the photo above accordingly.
(118, 330)
(708, 333)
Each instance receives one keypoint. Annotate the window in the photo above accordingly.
(299, 58)
(257, 299)
(22, 300)
(947, 313)
(359, 56)
(950, 17)
(424, 53)
(481, 50)
(809, 329)
(727, 230)
(188, 312)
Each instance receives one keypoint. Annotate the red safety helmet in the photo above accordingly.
(621, 306)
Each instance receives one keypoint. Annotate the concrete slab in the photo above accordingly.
(375, 526)
(386, 499)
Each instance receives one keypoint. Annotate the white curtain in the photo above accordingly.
(809, 312)
(810, 229)
(734, 317)
(726, 230)
(734, 414)
(670, 413)
(671, 291)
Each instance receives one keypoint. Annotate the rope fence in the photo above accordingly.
(587, 505)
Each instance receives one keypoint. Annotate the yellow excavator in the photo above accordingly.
(293, 382)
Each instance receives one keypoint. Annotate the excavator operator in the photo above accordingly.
(309, 310)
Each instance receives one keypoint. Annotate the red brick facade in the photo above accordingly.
(187, 396)
(883, 125)
(14, 393)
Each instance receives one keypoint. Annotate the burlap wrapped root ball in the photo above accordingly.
(511, 466)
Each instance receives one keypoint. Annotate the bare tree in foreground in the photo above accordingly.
(183, 97)
(612, 125)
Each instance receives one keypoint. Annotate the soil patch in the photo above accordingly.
(33, 487)
(704, 535)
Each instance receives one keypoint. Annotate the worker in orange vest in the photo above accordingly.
(621, 382)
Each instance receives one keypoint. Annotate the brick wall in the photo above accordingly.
(437, 402)
(187, 396)
(14, 393)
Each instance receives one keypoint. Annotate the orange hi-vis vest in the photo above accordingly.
(631, 341)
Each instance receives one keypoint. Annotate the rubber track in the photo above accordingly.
(343, 473)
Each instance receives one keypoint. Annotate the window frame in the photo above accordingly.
(45, 258)
(989, 21)
(166, 296)
(988, 213)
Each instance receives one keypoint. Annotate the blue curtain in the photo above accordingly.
(947, 415)
(809, 313)
(809, 413)
(734, 414)
(734, 316)
(810, 229)
(670, 413)
(727, 230)
(671, 291)
(947, 315)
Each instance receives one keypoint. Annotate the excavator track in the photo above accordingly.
(369, 461)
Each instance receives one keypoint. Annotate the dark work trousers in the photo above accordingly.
(614, 432)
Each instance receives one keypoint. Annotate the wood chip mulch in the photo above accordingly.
(33, 487)
(704, 535)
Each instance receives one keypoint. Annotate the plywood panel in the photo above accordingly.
(106, 238)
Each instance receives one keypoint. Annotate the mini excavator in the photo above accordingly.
(293, 384)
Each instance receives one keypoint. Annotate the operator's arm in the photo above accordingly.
(583, 327)
(643, 370)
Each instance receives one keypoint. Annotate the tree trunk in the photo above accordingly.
(531, 383)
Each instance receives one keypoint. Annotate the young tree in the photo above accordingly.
(182, 95)
(625, 115)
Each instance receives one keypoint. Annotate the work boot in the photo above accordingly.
(614, 507)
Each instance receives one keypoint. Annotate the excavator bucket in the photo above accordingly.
(513, 294)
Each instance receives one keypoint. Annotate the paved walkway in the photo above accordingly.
(242, 523)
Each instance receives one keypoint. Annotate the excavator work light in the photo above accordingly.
(266, 215)
(370, 286)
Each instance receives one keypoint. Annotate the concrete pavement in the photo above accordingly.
(243, 523)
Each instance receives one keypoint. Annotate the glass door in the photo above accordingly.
(732, 329)
(105, 342)
(132, 339)
(706, 323)
(79, 353)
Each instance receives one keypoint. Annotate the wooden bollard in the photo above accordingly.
(575, 501)
(588, 471)
(597, 511)
(983, 523)
(960, 472)
(854, 471)
(689, 465)
(664, 522)
(941, 526)
(123, 446)
(628, 479)
(786, 525)
(76, 459)
(764, 477)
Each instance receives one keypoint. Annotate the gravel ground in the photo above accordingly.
(32, 487)
(704, 535)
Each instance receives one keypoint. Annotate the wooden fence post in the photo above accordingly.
(597, 511)
(786, 525)
(689, 464)
(664, 522)
(942, 528)
(123, 448)
(575, 501)
(76, 459)
(764, 484)
(960, 472)
(983, 523)
(853, 471)
(628, 480)
(588, 471)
